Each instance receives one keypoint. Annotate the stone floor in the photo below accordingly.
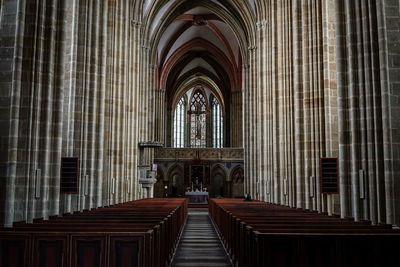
(199, 244)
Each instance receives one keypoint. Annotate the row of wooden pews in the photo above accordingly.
(138, 233)
(261, 234)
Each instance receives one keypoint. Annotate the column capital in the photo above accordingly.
(136, 23)
(161, 90)
(262, 24)
(252, 48)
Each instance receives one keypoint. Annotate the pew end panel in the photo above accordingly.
(15, 250)
(50, 249)
(88, 250)
(126, 249)
(328, 250)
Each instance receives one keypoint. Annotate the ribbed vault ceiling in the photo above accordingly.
(198, 43)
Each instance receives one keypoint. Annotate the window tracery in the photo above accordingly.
(198, 119)
(179, 123)
(217, 123)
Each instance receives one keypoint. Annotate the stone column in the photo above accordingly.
(209, 136)
(364, 108)
(11, 29)
(32, 98)
(168, 126)
(147, 184)
(330, 92)
(246, 130)
(158, 108)
(389, 36)
(292, 92)
(237, 119)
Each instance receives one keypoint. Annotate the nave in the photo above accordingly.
(199, 244)
(144, 98)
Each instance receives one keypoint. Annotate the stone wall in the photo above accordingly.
(69, 84)
(237, 119)
(320, 79)
(33, 135)
(389, 42)
(292, 103)
(9, 25)
(326, 87)
(367, 133)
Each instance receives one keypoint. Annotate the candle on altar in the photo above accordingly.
(192, 186)
(201, 186)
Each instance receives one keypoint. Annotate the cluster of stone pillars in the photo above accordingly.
(325, 89)
(71, 89)
(320, 79)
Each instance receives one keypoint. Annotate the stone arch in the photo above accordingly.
(185, 48)
(159, 185)
(237, 180)
(242, 22)
(196, 73)
(218, 181)
(176, 181)
(192, 82)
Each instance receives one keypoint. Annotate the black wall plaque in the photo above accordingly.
(329, 175)
(69, 175)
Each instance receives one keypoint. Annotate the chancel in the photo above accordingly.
(132, 130)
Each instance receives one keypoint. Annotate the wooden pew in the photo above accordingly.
(260, 234)
(138, 233)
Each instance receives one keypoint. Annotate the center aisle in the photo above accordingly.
(199, 244)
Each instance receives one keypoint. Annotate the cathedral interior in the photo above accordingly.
(295, 103)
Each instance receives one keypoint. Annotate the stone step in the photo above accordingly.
(201, 264)
(208, 258)
(203, 246)
(211, 256)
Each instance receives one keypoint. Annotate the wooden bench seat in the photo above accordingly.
(261, 234)
(138, 233)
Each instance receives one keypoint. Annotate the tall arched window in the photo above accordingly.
(198, 120)
(198, 108)
(217, 124)
(179, 123)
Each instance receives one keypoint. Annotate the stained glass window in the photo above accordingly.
(198, 119)
(192, 119)
(179, 123)
(217, 124)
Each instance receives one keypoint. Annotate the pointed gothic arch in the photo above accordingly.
(237, 180)
(159, 190)
(241, 21)
(176, 180)
(218, 181)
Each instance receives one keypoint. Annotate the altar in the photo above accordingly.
(197, 196)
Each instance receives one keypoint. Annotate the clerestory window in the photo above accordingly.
(179, 123)
(217, 123)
